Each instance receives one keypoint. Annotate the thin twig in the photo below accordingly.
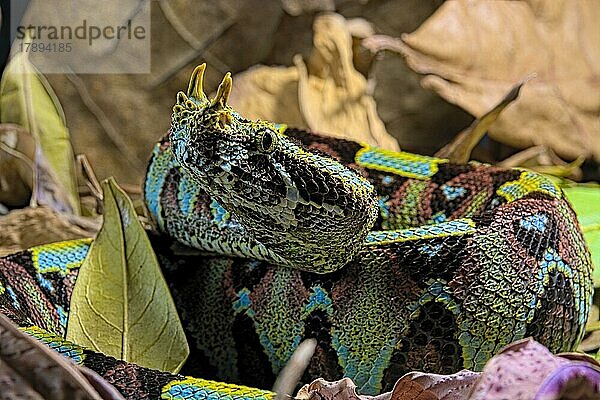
(136, 10)
(198, 46)
(521, 157)
(180, 27)
(460, 148)
(91, 180)
(290, 374)
(130, 157)
(16, 153)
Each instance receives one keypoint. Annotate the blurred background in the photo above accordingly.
(345, 68)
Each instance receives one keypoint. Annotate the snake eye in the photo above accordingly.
(267, 141)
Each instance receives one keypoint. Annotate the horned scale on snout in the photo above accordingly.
(306, 209)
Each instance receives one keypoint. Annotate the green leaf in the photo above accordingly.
(585, 200)
(121, 305)
(27, 99)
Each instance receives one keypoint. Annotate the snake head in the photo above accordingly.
(307, 209)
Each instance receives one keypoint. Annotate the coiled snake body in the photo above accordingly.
(392, 261)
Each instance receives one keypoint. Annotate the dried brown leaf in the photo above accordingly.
(31, 370)
(423, 386)
(460, 148)
(325, 94)
(343, 389)
(29, 227)
(526, 370)
(523, 370)
(412, 386)
(268, 93)
(471, 52)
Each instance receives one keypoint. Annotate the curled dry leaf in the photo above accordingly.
(121, 305)
(343, 389)
(472, 52)
(412, 386)
(27, 99)
(524, 370)
(460, 148)
(325, 94)
(422, 386)
(31, 370)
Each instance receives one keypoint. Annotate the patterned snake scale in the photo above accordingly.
(392, 261)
